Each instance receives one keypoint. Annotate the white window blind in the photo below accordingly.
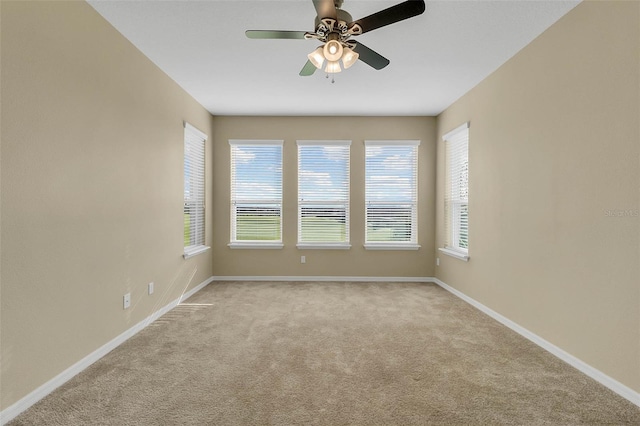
(194, 191)
(323, 194)
(457, 189)
(391, 194)
(256, 192)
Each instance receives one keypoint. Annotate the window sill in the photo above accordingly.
(256, 245)
(189, 252)
(387, 246)
(320, 246)
(455, 253)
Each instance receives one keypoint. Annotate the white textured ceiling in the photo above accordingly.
(435, 57)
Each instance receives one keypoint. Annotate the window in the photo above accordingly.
(323, 194)
(456, 201)
(391, 195)
(256, 194)
(194, 194)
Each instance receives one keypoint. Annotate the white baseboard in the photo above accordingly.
(21, 405)
(325, 278)
(622, 390)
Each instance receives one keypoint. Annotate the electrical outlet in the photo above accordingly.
(150, 288)
(437, 261)
(303, 259)
(126, 301)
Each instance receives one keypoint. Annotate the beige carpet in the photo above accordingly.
(331, 354)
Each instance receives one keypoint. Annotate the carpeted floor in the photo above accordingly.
(332, 354)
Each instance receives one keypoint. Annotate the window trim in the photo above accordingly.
(192, 251)
(255, 244)
(391, 246)
(454, 253)
(200, 247)
(395, 245)
(323, 246)
(450, 250)
(319, 245)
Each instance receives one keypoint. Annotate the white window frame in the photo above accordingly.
(194, 189)
(456, 190)
(345, 204)
(412, 243)
(253, 244)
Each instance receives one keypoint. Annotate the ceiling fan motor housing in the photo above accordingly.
(329, 25)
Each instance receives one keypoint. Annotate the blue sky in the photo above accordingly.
(322, 173)
(389, 174)
(262, 167)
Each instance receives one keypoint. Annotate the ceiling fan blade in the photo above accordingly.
(308, 69)
(370, 57)
(325, 9)
(391, 15)
(267, 34)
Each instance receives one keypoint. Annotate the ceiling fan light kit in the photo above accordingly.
(349, 57)
(334, 27)
(317, 57)
(333, 67)
(333, 50)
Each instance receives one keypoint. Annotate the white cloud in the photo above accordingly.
(398, 162)
(308, 177)
(317, 186)
(373, 151)
(334, 153)
(256, 191)
(243, 157)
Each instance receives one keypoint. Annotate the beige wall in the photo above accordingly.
(354, 262)
(91, 200)
(554, 158)
(92, 187)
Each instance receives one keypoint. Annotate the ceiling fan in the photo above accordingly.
(334, 27)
